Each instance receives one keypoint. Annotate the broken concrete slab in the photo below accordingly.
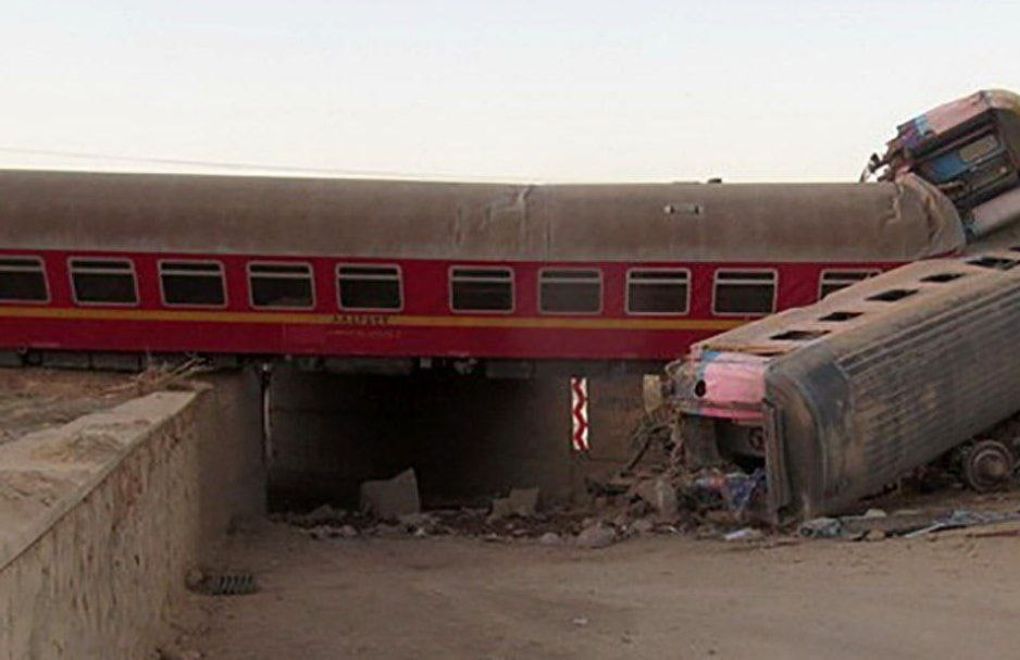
(596, 536)
(660, 494)
(643, 526)
(391, 498)
(323, 515)
(550, 538)
(417, 520)
(520, 502)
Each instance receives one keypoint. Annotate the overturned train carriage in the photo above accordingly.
(837, 399)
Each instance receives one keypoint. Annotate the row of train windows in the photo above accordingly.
(380, 288)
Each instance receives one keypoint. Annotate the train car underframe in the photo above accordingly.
(377, 366)
(987, 462)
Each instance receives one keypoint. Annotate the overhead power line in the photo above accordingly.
(248, 167)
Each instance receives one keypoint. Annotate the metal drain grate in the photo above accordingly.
(229, 584)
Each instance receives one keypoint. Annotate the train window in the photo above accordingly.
(657, 291)
(197, 283)
(834, 280)
(369, 287)
(892, 295)
(103, 282)
(979, 148)
(481, 289)
(840, 316)
(570, 291)
(744, 292)
(997, 263)
(23, 279)
(799, 335)
(281, 285)
(942, 278)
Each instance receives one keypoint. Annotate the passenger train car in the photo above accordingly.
(396, 271)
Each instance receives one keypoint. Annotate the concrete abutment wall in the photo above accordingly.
(102, 518)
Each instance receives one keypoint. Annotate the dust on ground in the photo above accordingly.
(33, 399)
(943, 595)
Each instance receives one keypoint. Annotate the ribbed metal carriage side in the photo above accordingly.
(902, 386)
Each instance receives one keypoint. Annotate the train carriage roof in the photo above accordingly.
(852, 317)
(410, 219)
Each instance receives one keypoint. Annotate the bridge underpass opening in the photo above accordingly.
(468, 438)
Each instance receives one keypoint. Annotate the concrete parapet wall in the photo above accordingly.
(100, 519)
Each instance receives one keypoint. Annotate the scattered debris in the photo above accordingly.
(875, 535)
(820, 528)
(660, 494)
(598, 535)
(744, 534)
(389, 499)
(550, 538)
(963, 518)
(323, 515)
(520, 502)
(642, 526)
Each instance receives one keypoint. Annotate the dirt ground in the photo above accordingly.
(32, 399)
(948, 595)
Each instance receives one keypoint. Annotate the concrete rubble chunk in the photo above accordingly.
(322, 515)
(660, 495)
(389, 499)
(550, 538)
(417, 520)
(520, 502)
(821, 528)
(596, 536)
(875, 535)
(643, 526)
(744, 534)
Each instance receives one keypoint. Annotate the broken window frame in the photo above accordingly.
(503, 275)
(544, 278)
(683, 277)
(397, 275)
(77, 266)
(308, 273)
(772, 282)
(167, 267)
(849, 281)
(29, 264)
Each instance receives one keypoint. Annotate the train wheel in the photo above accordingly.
(988, 465)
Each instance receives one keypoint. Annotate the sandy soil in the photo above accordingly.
(31, 399)
(950, 596)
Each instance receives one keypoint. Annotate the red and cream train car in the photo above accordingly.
(101, 263)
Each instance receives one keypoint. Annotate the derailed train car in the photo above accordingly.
(970, 150)
(838, 399)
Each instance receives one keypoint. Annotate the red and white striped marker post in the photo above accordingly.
(579, 414)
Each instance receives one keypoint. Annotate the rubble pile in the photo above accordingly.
(657, 496)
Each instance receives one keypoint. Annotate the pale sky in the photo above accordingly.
(574, 90)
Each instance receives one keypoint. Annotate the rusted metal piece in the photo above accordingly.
(867, 384)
